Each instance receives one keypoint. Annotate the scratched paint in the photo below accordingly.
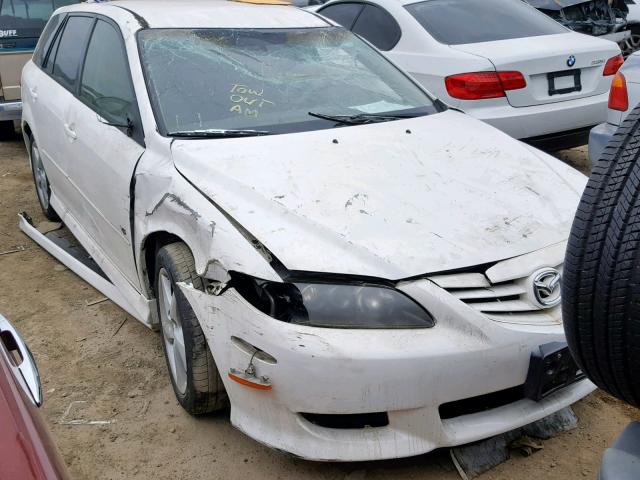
(375, 370)
(391, 200)
(453, 194)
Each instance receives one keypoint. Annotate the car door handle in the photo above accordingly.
(70, 131)
(34, 94)
(21, 361)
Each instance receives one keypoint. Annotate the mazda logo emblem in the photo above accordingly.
(546, 287)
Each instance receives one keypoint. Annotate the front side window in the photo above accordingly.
(344, 14)
(378, 27)
(456, 22)
(269, 79)
(23, 19)
(70, 50)
(106, 85)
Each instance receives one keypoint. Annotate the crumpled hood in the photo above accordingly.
(379, 201)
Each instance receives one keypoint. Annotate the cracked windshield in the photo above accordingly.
(271, 81)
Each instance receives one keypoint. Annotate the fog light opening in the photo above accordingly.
(348, 421)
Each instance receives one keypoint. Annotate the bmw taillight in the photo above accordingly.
(613, 65)
(481, 85)
(618, 97)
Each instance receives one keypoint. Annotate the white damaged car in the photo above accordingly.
(361, 272)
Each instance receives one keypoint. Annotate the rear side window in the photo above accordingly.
(344, 14)
(46, 38)
(378, 27)
(455, 22)
(106, 84)
(70, 51)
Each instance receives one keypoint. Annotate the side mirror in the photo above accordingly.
(128, 125)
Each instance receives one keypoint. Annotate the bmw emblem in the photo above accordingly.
(571, 61)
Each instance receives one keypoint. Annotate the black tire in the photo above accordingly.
(601, 285)
(43, 193)
(204, 391)
(7, 130)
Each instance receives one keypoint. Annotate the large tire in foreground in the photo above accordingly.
(194, 376)
(601, 285)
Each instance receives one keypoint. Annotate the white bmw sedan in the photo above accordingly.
(501, 61)
(361, 272)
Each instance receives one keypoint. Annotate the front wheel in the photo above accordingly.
(43, 188)
(194, 376)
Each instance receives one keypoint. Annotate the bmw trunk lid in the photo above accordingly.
(556, 68)
(389, 200)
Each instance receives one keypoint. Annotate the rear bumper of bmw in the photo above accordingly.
(351, 395)
(570, 119)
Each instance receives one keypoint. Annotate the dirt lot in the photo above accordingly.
(111, 375)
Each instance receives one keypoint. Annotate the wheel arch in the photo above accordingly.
(27, 135)
(152, 243)
(26, 129)
(168, 209)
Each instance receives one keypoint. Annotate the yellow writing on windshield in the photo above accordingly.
(247, 101)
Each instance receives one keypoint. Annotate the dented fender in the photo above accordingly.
(166, 202)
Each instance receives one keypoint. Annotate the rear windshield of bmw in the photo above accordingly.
(22, 21)
(456, 22)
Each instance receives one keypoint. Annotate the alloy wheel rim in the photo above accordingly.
(172, 334)
(42, 184)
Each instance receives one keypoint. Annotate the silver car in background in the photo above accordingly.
(624, 95)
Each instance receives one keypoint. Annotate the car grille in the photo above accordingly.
(506, 302)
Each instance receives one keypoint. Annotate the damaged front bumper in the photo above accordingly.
(351, 395)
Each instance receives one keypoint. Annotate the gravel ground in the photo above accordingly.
(98, 364)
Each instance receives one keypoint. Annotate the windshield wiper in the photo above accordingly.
(362, 118)
(218, 133)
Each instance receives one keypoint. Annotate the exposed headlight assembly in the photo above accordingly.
(333, 305)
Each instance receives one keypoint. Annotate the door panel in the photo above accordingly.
(52, 103)
(103, 159)
(49, 112)
(103, 151)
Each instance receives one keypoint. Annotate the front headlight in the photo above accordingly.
(333, 305)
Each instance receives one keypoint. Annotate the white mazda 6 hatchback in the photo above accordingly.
(501, 61)
(359, 271)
